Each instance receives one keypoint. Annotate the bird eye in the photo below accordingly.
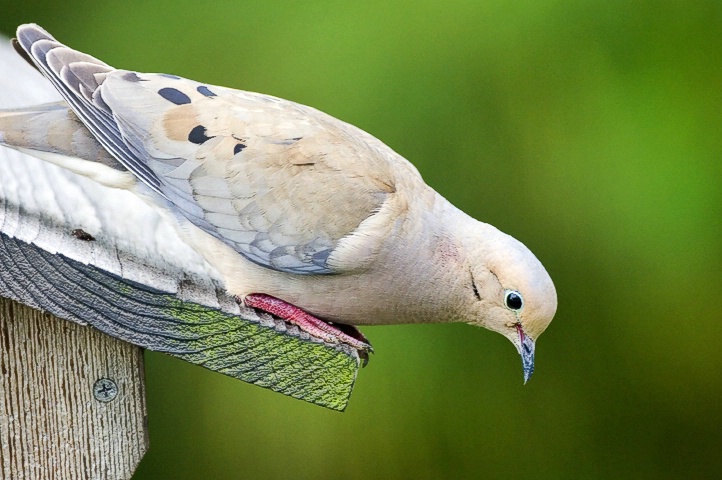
(513, 300)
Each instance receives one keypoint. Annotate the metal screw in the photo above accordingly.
(105, 390)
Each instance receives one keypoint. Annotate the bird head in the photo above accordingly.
(511, 292)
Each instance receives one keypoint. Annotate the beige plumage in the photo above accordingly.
(284, 200)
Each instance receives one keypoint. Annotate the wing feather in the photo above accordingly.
(279, 182)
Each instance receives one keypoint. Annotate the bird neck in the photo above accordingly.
(433, 264)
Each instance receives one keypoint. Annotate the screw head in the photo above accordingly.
(105, 390)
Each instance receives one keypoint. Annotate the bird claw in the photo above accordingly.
(329, 332)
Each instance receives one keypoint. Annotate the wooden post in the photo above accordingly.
(52, 424)
(72, 399)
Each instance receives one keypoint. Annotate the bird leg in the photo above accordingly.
(326, 331)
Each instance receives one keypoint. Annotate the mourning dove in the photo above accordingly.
(303, 216)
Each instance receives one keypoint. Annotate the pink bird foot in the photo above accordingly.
(326, 331)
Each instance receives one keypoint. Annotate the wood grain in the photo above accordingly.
(51, 424)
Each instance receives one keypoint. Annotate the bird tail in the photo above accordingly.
(52, 132)
(79, 78)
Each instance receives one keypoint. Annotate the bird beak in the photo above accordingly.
(526, 350)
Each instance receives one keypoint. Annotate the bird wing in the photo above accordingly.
(279, 182)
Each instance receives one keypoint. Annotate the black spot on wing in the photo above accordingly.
(203, 90)
(237, 149)
(174, 96)
(198, 135)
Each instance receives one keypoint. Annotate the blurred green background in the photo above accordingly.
(590, 130)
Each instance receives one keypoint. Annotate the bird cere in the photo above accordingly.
(303, 216)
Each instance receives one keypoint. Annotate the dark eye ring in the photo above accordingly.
(514, 300)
